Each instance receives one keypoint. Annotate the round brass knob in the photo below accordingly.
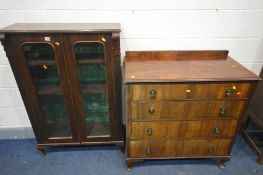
(222, 111)
(216, 130)
(153, 93)
(210, 149)
(148, 151)
(151, 110)
(149, 131)
(228, 92)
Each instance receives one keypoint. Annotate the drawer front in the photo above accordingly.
(179, 148)
(183, 129)
(185, 110)
(188, 91)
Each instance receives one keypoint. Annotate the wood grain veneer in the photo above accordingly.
(181, 91)
(182, 129)
(179, 148)
(185, 110)
(183, 66)
(184, 104)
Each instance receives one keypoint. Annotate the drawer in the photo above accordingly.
(179, 148)
(175, 91)
(183, 129)
(140, 110)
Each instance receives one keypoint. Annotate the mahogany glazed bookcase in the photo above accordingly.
(69, 77)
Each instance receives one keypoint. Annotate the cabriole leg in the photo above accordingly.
(129, 165)
(260, 159)
(42, 150)
(221, 163)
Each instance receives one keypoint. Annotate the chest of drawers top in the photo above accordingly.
(183, 66)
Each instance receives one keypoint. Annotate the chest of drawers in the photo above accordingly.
(184, 104)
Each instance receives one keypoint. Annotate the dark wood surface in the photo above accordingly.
(183, 66)
(254, 115)
(61, 28)
(256, 105)
(114, 116)
(62, 39)
(174, 101)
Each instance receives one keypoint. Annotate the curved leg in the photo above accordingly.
(221, 163)
(130, 162)
(260, 159)
(129, 165)
(42, 150)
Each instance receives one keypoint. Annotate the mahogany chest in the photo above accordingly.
(184, 104)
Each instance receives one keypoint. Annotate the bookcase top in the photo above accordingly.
(61, 28)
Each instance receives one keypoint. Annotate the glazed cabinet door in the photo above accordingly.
(92, 73)
(44, 87)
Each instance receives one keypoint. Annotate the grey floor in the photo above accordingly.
(20, 157)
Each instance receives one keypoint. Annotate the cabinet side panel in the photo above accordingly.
(19, 69)
(117, 84)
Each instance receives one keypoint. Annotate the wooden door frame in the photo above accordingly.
(28, 91)
(69, 41)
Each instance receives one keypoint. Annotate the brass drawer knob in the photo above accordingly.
(216, 130)
(222, 111)
(210, 149)
(151, 110)
(153, 93)
(148, 151)
(149, 131)
(228, 92)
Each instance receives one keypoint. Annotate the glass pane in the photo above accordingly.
(40, 58)
(91, 73)
(38, 51)
(92, 77)
(91, 50)
(44, 74)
